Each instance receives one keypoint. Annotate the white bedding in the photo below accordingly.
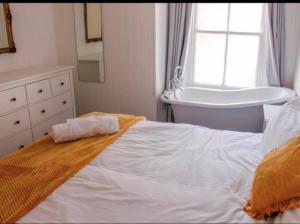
(160, 172)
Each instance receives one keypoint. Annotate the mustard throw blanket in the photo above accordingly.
(29, 175)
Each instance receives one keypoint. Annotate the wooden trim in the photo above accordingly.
(86, 27)
(8, 19)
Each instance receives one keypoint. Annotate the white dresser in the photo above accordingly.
(31, 101)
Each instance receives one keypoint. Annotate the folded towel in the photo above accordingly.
(68, 132)
(84, 127)
(106, 124)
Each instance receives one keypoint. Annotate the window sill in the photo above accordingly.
(214, 86)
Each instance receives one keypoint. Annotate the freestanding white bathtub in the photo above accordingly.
(237, 110)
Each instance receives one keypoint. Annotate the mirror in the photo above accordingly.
(89, 41)
(6, 37)
(92, 18)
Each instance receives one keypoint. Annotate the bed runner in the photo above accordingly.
(29, 175)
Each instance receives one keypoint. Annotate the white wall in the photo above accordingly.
(66, 42)
(292, 41)
(161, 19)
(83, 48)
(129, 55)
(34, 36)
(129, 47)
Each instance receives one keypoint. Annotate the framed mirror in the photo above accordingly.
(89, 42)
(6, 37)
(92, 19)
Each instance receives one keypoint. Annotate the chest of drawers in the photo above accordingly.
(31, 101)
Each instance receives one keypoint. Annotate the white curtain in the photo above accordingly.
(275, 43)
(179, 26)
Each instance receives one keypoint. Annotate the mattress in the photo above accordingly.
(160, 172)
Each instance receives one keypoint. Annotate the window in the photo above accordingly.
(227, 44)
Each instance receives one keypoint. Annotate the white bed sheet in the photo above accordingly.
(160, 172)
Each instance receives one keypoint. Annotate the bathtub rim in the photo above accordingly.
(290, 94)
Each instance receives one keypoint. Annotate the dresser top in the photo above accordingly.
(30, 72)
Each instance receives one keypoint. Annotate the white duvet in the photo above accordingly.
(160, 172)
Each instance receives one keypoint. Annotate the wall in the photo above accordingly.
(66, 41)
(34, 36)
(129, 55)
(296, 83)
(161, 19)
(292, 41)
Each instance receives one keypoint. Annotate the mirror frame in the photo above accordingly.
(88, 40)
(8, 20)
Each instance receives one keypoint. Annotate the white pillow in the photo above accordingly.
(295, 102)
(282, 127)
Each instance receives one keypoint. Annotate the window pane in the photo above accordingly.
(242, 56)
(212, 17)
(245, 17)
(209, 58)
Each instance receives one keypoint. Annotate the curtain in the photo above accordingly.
(275, 37)
(179, 26)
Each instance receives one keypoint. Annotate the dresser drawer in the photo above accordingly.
(14, 123)
(38, 91)
(41, 111)
(48, 108)
(45, 128)
(62, 102)
(16, 142)
(60, 83)
(12, 99)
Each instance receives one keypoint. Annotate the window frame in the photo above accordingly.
(194, 31)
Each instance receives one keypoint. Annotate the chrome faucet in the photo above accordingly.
(176, 82)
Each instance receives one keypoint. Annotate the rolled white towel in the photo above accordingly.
(105, 124)
(84, 127)
(79, 119)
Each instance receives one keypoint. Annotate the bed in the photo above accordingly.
(161, 172)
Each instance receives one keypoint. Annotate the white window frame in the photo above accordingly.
(191, 57)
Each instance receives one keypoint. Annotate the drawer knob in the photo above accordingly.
(46, 133)
(13, 99)
(17, 122)
(62, 83)
(40, 90)
(43, 111)
(64, 102)
(21, 146)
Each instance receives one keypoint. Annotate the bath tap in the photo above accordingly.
(174, 91)
(177, 86)
(176, 82)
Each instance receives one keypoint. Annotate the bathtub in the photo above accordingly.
(237, 110)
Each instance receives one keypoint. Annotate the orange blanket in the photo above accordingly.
(29, 175)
